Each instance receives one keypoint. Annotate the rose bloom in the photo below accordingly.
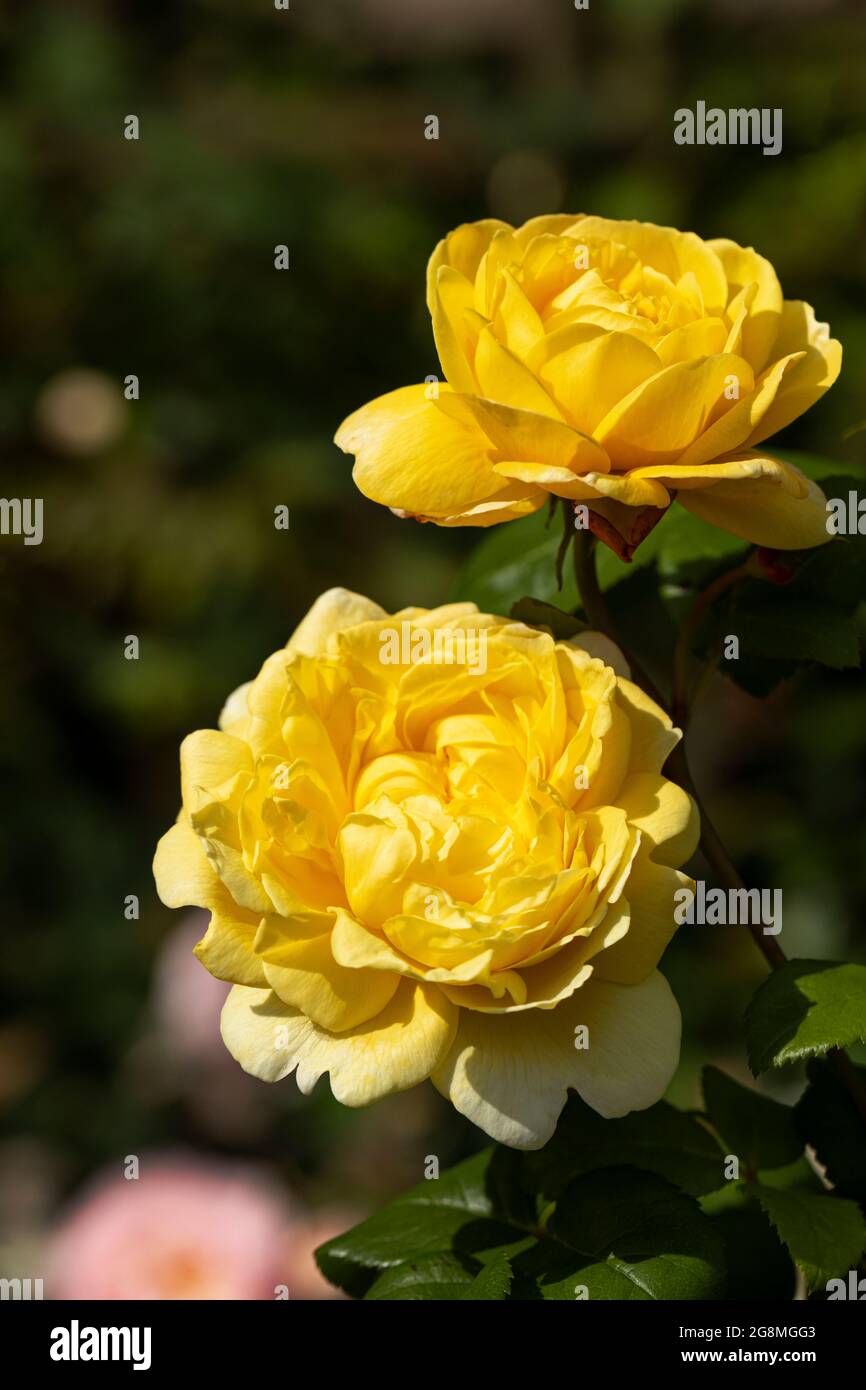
(615, 364)
(421, 867)
(184, 1229)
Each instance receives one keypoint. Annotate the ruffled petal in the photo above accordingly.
(397, 1049)
(510, 1074)
(764, 501)
(413, 456)
(332, 612)
(809, 378)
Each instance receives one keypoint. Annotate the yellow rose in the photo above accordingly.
(439, 845)
(618, 364)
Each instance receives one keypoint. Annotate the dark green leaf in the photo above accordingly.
(514, 560)
(835, 573)
(475, 1206)
(443, 1277)
(778, 624)
(621, 1233)
(804, 1009)
(491, 1282)
(644, 623)
(799, 1176)
(825, 1235)
(759, 1266)
(660, 1140)
(828, 1119)
(638, 1238)
(758, 1130)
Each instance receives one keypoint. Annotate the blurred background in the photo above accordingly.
(155, 258)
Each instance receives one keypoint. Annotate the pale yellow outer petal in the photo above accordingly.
(653, 736)
(392, 1052)
(510, 1074)
(598, 644)
(185, 878)
(650, 891)
(211, 764)
(226, 949)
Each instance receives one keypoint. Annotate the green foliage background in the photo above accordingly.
(156, 258)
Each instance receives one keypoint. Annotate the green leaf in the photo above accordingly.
(799, 1176)
(638, 1238)
(644, 623)
(826, 1235)
(778, 624)
(536, 614)
(760, 1131)
(621, 1233)
(830, 1122)
(492, 1281)
(519, 558)
(513, 560)
(659, 1140)
(811, 619)
(477, 1205)
(443, 1277)
(758, 1265)
(804, 1009)
(835, 573)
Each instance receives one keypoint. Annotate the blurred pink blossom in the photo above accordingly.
(186, 1229)
(188, 1000)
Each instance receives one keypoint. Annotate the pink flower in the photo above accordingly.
(188, 1001)
(183, 1230)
